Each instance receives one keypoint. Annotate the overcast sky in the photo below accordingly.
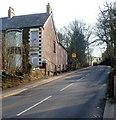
(64, 11)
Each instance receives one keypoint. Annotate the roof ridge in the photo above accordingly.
(30, 14)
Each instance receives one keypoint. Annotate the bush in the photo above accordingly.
(7, 74)
(20, 74)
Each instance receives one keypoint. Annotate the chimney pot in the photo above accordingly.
(11, 12)
(48, 8)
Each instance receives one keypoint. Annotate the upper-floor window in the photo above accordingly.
(54, 47)
(34, 37)
(14, 38)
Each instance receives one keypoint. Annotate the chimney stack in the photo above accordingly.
(11, 12)
(48, 8)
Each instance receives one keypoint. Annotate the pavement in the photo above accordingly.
(110, 110)
(22, 88)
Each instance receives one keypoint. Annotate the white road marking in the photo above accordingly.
(87, 74)
(83, 77)
(80, 79)
(33, 106)
(66, 87)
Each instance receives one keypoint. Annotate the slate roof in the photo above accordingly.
(23, 21)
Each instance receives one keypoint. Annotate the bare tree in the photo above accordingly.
(106, 29)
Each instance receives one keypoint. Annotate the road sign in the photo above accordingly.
(74, 55)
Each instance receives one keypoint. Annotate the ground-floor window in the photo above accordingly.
(15, 61)
(35, 62)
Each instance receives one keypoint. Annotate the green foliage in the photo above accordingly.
(7, 74)
(75, 38)
(29, 67)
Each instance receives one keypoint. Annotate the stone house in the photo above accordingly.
(31, 39)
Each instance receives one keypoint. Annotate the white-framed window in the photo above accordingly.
(34, 37)
(35, 62)
(14, 38)
(36, 58)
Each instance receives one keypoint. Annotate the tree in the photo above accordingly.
(75, 38)
(106, 29)
(64, 36)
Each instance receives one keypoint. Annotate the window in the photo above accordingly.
(54, 47)
(14, 39)
(35, 59)
(35, 62)
(18, 60)
(11, 39)
(34, 38)
(15, 61)
(18, 39)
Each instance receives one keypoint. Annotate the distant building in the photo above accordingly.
(31, 38)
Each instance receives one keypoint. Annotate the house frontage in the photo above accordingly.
(31, 39)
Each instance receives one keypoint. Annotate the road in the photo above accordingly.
(79, 95)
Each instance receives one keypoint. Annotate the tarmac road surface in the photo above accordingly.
(79, 95)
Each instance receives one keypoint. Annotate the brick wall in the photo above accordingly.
(56, 57)
(61, 58)
(48, 38)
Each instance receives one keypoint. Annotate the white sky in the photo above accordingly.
(64, 11)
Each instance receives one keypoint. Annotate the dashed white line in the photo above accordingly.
(87, 74)
(66, 87)
(80, 79)
(33, 106)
